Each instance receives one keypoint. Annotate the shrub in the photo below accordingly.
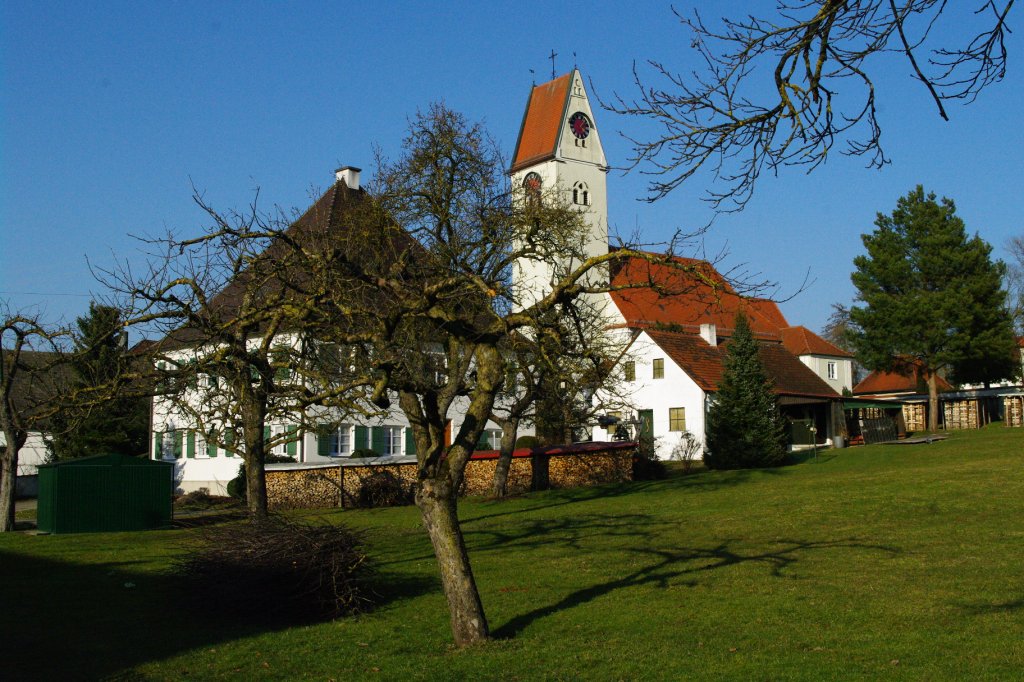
(199, 499)
(384, 489)
(646, 465)
(527, 442)
(364, 452)
(686, 450)
(236, 486)
(279, 567)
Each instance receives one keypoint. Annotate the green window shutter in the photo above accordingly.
(484, 441)
(377, 439)
(293, 441)
(211, 444)
(362, 437)
(177, 443)
(190, 450)
(323, 442)
(229, 440)
(410, 441)
(157, 442)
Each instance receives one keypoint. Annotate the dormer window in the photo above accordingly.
(580, 194)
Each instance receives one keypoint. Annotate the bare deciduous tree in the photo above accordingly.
(30, 361)
(233, 308)
(774, 91)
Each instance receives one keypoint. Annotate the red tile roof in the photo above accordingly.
(542, 121)
(705, 364)
(684, 298)
(878, 383)
(802, 341)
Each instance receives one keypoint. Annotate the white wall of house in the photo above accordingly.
(836, 371)
(31, 455)
(674, 390)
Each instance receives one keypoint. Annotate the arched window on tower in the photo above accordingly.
(532, 187)
(580, 194)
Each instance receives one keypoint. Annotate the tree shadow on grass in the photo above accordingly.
(683, 567)
(66, 620)
(705, 480)
(978, 609)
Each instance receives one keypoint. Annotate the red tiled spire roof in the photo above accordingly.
(802, 341)
(545, 110)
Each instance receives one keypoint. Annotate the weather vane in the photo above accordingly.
(552, 58)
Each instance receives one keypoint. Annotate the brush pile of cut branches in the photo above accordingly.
(280, 567)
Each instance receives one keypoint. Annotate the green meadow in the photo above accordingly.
(884, 562)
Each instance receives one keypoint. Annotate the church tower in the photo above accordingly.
(559, 150)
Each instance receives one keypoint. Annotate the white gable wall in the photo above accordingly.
(843, 366)
(676, 389)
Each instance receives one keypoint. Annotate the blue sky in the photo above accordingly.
(110, 111)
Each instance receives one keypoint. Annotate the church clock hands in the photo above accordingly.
(580, 125)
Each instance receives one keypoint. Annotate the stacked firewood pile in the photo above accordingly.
(369, 485)
(303, 488)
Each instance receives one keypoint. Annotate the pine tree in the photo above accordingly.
(86, 425)
(745, 428)
(932, 298)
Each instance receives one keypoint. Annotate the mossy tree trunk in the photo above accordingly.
(509, 430)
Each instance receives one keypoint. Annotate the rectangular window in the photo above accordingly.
(831, 370)
(659, 368)
(629, 369)
(341, 442)
(677, 419)
(392, 440)
(280, 448)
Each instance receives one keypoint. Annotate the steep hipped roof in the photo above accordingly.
(878, 383)
(684, 298)
(326, 225)
(705, 364)
(802, 341)
(40, 378)
(542, 121)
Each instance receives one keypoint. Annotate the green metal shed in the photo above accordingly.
(104, 493)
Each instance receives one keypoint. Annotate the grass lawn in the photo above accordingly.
(890, 562)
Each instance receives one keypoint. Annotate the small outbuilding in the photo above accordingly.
(105, 493)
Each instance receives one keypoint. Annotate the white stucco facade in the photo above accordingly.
(660, 396)
(834, 370)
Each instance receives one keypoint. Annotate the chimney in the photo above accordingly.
(349, 175)
(709, 333)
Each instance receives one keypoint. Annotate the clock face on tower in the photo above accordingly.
(580, 125)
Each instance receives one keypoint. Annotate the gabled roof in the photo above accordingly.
(705, 364)
(660, 295)
(802, 341)
(880, 383)
(542, 121)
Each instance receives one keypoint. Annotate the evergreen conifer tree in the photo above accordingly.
(745, 428)
(933, 299)
(97, 418)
